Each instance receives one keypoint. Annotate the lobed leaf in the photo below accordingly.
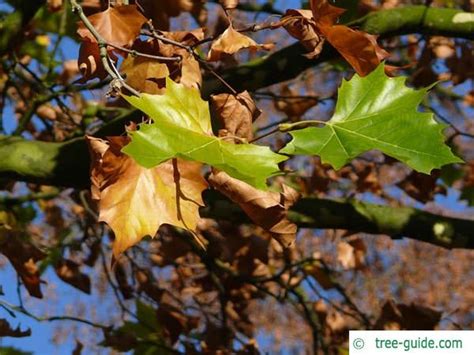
(377, 112)
(181, 128)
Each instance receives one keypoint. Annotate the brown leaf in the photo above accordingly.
(69, 271)
(351, 254)
(78, 349)
(7, 331)
(89, 61)
(300, 25)
(266, 209)
(174, 321)
(23, 255)
(231, 42)
(188, 71)
(147, 285)
(229, 4)
(325, 15)
(311, 27)
(135, 201)
(409, 317)
(117, 25)
(122, 281)
(356, 47)
(145, 75)
(161, 11)
(462, 64)
(422, 187)
(236, 113)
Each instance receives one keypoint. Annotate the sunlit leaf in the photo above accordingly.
(181, 128)
(377, 112)
(135, 201)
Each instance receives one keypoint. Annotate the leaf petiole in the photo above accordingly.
(286, 127)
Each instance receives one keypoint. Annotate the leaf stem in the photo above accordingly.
(286, 127)
(102, 43)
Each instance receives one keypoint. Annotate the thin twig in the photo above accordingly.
(102, 43)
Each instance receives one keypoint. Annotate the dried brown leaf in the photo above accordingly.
(119, 25)
(89, 61)
(23, 255)
(69, 271)
(7, 331)
(231, 41)
(324, 14)
(266, 209)
(236, 113)
(145, 75)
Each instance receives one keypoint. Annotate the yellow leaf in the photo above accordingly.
(135, 201)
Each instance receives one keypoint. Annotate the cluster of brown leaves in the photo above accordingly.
(313, 27)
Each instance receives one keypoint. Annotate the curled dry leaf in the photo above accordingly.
(117, 25)
(266, 209)
(236, 113)
(7, 331)
(23, 255)
(69, 271)
(299, 25)
(135, 201)
(89, 61)
(311, 27)
(231, 41)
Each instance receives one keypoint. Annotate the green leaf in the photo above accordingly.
(377, 112)
(181, 128)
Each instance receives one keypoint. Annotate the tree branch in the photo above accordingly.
(357, 216)
(67, 164)
(289, 62)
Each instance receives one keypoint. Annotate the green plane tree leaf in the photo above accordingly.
(181, 128)
(375, 112)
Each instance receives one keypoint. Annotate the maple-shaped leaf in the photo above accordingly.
(117, 25)
(232, 41)
(135, 201)
(377, 112)
(181, 128)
